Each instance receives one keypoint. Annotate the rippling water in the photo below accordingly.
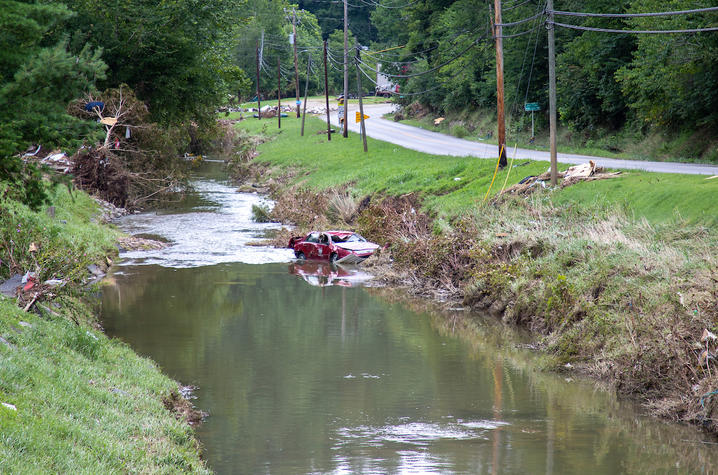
(304, 370)
(211, 226)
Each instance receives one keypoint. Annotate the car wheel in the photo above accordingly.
(333, 257)
(299, 255)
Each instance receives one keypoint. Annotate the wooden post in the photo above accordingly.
(259, 103)
(306, 92)
(326, 92)
(498, 33)
(345, 132)
(552, 93)
(296, 67)
(361, 103)
(279, 95)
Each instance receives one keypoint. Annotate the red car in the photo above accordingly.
(343, 247)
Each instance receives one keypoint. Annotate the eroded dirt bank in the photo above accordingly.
(622, 301)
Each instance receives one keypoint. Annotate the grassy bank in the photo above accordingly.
(480, 125)
(75, 401)
(616, 277)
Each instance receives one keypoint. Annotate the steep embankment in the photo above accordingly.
(614, 277)
(74, 401)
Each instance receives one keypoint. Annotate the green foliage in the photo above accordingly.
(38, 77)
(673, 79)
(173, 54)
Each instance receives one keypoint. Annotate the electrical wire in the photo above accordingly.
(633, 15)
(435, 68)
(525, 20)
(647, 32)
(505, 9)
(516, 35)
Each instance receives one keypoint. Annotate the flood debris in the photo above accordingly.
(572, 175)
(177, 402)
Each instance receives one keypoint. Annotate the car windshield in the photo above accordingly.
(351, 238)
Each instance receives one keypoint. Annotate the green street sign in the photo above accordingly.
(532, 106)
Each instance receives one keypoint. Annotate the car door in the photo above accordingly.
(322, 247)
(309, 246)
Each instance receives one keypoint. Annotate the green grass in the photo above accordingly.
(66, 243)
(85, 404)
(452, 185)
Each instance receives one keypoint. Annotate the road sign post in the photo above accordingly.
(531, 107)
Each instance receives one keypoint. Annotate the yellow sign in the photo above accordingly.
(359, 117)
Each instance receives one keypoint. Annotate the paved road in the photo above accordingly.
(432, 142)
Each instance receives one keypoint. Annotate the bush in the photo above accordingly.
(459, 131)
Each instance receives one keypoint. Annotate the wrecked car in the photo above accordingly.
(344, 247)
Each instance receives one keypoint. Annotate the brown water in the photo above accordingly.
(304, 370)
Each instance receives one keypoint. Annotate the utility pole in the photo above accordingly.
(279, 95)
(361, 103)
(296, 68)
(259, 104)
(345, 132)
(326, 92)
(306, 92)
(552, 92)
(498, 33)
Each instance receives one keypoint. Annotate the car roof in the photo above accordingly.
(335, 233)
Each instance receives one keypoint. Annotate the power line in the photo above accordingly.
(514, 23)
(634, 15)
(435, 68)
(647, 32)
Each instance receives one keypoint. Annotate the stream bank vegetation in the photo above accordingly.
(72, 399)
(614, 278)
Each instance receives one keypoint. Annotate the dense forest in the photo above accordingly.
(184, 58)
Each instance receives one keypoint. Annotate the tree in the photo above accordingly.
(38, 78)
(672, 80)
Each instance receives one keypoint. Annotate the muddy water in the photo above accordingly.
(304, 369)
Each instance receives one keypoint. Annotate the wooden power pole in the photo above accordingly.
(259, 104)
(361, 103)
(552, 92)
(296, 67)
(326, 92)
(306, 92)
(498, 33)
(345, 132)
(279, 95)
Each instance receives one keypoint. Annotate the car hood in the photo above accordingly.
(357, 246)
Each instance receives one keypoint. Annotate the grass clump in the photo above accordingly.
(65, 236)
(261, 214)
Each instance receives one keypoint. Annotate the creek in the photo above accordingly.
(306, 368)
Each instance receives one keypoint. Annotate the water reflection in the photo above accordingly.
(302, 379)
(323, 274)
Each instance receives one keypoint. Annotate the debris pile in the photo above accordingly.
(577, 173)
(98, 170)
